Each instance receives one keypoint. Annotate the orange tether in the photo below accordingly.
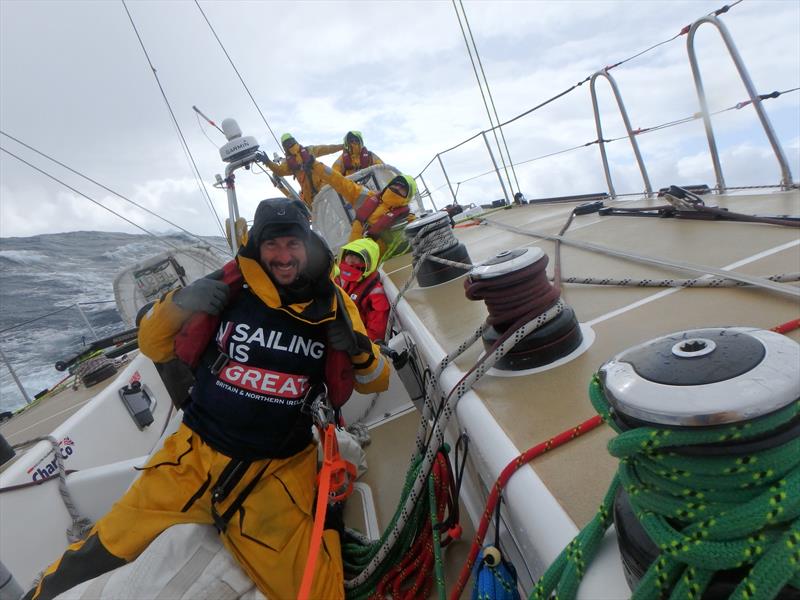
(335, 481)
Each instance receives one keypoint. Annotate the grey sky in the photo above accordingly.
(74, 83)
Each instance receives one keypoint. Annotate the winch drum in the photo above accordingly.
(700, 379)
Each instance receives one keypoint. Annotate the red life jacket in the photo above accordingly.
(295, 164)
(385, 221)
(359, 293)
(198, 331)
(364, 159)
(388, 219)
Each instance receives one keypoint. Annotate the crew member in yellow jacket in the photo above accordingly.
(355, 155)
(379, 215)
(263, 331)
(297, 164)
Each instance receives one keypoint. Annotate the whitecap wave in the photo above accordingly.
(23, 257)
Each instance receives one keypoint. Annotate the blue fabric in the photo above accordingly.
(495, 583)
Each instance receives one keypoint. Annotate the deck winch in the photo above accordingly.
(514, 284)
(432, 236)
(703, 381)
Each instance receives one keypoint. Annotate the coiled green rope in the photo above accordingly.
(705, 514)
(357, 556)
(418, 552)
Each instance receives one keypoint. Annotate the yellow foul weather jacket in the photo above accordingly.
(160, 326)
(391, 243)
(309, 186)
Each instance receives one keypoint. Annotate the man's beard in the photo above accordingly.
(298, 290)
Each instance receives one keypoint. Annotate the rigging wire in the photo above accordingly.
(112, 211)
(55, 312)
(184, 144)
(108, 189)
(230, 60)
(641, 130)
(480, 87)
(568, 90)
(491, 101)
(203, 131)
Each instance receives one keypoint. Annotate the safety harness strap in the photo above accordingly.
(316, 532)
(225, 484)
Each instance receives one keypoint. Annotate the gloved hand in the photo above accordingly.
(208, 295)
(341, 337)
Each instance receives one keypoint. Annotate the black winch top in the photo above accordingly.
(704, 377)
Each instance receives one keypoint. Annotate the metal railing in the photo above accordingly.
(631, 135)
(85, 322)
(786, 175)
(755, 99)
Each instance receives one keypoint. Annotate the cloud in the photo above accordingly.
(398, 71)
(742, 165)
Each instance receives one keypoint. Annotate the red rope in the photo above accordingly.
(786, 327)
(527, 456)
(502, 480)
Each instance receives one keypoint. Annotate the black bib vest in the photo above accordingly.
(250, 409)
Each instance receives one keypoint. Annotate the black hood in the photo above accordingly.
(276, 217)
(314, 282)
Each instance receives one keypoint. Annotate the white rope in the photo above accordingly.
(716, 282)
(432, 238)
(92, 365)
(80, 525)
(360, 433)
(759, 282)
(437, 436)
(418, 242)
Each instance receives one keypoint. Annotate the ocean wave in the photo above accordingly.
(46, 282)
(22, 257)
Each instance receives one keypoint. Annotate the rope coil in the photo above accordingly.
(512, 295)
(705, 514)
(432, 238)
(93, 366)
(367, 564)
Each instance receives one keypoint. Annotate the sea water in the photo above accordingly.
(47, 274)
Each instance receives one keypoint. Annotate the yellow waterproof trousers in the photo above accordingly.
(269, 534)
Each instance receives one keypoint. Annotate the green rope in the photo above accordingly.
(437, 544)
(705, 514)
(357, 556)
